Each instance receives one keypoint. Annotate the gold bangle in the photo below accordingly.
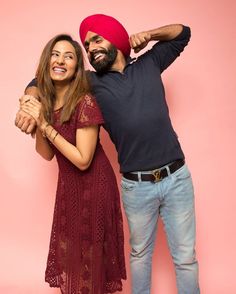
(54, 137)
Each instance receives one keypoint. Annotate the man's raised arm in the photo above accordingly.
(165, 33)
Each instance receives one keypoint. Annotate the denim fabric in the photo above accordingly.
(172, 199)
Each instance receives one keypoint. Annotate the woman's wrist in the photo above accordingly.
(44, 126)
(48, 131)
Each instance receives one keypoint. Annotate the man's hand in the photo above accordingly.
(139, 41)
(33, 107)
(24, 121)
(165, 33)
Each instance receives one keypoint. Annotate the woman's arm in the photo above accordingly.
(42, 146)
(80, 155)
(32, 107)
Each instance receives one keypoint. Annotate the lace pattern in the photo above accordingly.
(86, 253)
(89, 113)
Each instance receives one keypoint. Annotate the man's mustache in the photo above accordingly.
(92, 54)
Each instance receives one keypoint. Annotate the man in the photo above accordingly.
(156, 180)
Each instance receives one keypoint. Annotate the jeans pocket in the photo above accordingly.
(127, 185)
(182, 173)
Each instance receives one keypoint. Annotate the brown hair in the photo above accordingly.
(79, 84)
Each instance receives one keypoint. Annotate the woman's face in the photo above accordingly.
(63, 62)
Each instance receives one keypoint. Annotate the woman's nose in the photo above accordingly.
(60, 60)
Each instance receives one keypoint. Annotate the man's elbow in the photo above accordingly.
(49, 158)
(45, 155)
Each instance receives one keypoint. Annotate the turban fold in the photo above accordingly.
(107, 27)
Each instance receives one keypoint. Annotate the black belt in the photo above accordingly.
(157, 174)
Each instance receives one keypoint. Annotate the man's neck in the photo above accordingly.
(119, 63)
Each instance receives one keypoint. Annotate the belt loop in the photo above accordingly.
(139, 177)
(168, 170)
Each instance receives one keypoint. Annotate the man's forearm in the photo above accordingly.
(33, 91)
(166, 33)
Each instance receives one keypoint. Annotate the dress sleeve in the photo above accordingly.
(89, 113)
(165, 52)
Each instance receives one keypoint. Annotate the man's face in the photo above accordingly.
(101, 53)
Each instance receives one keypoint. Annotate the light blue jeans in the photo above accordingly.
(172, 199)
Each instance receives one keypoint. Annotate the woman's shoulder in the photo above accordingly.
(87, 100)
(88, 112)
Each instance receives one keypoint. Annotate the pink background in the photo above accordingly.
(200, 89)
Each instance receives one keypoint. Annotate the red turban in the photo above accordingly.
(107, 27)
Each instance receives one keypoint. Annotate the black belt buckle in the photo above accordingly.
(157, 175)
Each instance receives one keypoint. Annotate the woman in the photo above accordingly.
(86, 248)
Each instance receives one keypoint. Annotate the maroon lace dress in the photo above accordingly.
(86, 254)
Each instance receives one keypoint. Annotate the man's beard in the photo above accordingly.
(107, 61)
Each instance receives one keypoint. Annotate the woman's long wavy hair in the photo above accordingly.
(79, 85)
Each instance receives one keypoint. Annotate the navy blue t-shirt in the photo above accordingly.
(135, 111)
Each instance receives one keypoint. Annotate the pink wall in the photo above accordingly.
(200, 87)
